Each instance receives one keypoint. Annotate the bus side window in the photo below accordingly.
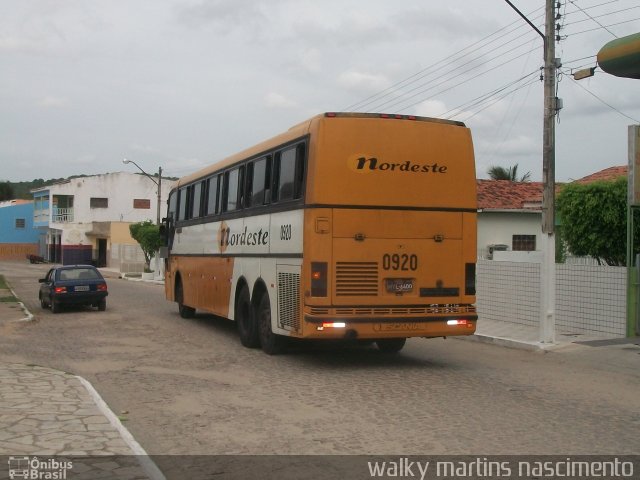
(231, 194)
(197, 200)
(300, 163)
(182, 214)
(287, 174)
(242, 195)
(259, 183)
(213, 189)
(173, 205)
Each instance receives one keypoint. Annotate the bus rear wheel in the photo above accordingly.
(185, 312)
(247, 325)
(391, 345)
(271, 343)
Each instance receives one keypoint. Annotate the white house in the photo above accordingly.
(509, 219)
(510, 216)
(86, 219)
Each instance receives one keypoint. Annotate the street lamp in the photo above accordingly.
(158, 183)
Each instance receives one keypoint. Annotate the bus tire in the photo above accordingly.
(185, 312)
(271, 343)
(247, 325)
(391, 345)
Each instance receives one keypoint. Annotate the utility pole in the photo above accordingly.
(551, 107)
(159, 193)
(548, 270)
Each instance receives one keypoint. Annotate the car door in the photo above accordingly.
(45, 287)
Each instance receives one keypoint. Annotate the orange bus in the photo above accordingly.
(347, 226)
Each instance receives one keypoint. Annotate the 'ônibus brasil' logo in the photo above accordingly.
(366, 163)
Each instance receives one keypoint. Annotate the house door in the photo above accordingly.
(102, 252)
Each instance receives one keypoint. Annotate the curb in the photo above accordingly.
(515, 344)
(29, 316)
(149, 467)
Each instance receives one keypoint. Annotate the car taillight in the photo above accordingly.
(102, 287)
(318, 279)
(60, 290)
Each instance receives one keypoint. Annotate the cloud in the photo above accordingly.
(367, 82)
(276, 100)
(53, 102)
(431, 108)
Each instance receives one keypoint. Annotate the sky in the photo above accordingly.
(181, 84)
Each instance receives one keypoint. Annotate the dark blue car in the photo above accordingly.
(73, 285)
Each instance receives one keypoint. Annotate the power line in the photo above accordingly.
(443, 63)
(603, 102)
(605, 27)
(497, 99)
(492, 69)
(581, 9)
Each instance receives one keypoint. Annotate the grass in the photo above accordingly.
(9, 298)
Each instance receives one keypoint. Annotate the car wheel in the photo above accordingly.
(43, 302)
(247, 325)
(185, 312)
(102, 305)
(55, 306)
(391, 345)
(271, 343)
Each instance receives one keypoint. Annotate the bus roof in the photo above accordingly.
(294, 133)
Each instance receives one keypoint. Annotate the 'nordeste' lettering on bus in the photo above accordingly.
(372, 163)
(246, 238)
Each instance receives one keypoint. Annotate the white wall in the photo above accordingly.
(499, 228)
(589, 299)
(120, 188)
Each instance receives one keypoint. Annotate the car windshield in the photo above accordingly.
(78, 274)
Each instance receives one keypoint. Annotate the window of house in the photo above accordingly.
(20, 223)
(96, 202)
(142, 203)
(526, 243)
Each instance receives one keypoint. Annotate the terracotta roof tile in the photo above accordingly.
(610, 173)
(507, 195)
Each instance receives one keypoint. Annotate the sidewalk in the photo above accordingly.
(46, 412)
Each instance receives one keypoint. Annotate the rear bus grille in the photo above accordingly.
(356, 279)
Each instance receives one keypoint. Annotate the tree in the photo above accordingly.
(147, 234)
(511, 174)
(6, 191)
(594, 220)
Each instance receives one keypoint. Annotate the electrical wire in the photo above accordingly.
(441, 64)
(580, 8)
(603, 102)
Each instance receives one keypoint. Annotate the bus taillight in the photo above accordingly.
(331, 325)
(457, 322)
(318, 279)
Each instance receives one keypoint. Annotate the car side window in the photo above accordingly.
(49, 276)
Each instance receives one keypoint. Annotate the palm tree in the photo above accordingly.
(511, 174)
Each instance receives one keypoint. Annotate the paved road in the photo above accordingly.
(189, 387)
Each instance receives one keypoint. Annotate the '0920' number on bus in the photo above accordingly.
(404, 262)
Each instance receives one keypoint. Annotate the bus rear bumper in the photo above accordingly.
(383, 327)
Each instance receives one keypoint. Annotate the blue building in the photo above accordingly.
(18, 237)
